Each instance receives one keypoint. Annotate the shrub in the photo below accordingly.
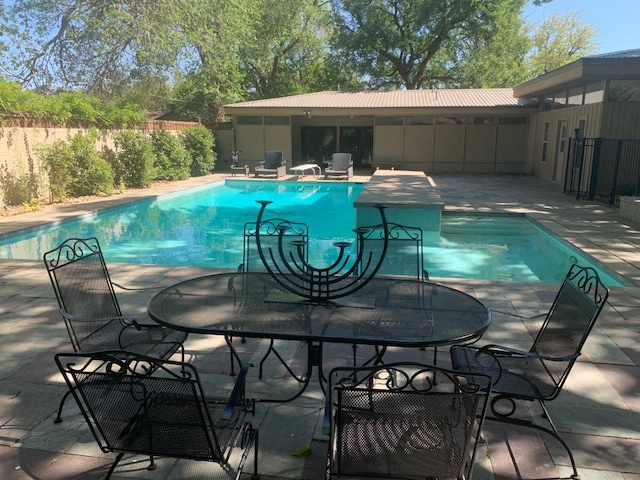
(134, 160)
(172, 161)
(57, 159)
(200, 143)
(93, 174)
(76, 168)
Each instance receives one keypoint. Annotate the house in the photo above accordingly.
(519, 130)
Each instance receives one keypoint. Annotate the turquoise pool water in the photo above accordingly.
(204, 226)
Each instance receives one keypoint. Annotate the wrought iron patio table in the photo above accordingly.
(386, 312)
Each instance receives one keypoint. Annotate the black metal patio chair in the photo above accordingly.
(145, 406)
(404, 256)
(90, 308)
(393, 421)
(295, 234)
(540, 373)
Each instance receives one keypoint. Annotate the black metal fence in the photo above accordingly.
(603, 169)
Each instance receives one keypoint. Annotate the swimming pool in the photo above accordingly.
(204, 226)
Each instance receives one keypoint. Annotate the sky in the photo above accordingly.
(618, 21)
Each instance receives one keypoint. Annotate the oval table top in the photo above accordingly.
(386, 312)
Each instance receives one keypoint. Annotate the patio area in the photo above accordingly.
(598, 413)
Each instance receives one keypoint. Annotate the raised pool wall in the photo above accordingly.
(410, 199)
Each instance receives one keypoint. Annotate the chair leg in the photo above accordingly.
(506, 418)
(58, 418)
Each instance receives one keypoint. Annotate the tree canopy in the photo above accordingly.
(196, 55)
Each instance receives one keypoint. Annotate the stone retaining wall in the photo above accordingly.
(630, 208)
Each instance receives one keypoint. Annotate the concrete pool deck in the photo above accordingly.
(598, 412)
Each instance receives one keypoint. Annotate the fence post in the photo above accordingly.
(595, 167)
(616, 167)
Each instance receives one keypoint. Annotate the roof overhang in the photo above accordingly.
(584, 70)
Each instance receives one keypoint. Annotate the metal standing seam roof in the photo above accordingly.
(479, 97)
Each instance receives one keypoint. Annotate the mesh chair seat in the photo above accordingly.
(524, 377)
(141, 405)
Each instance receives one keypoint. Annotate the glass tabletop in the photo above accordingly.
(386, 312)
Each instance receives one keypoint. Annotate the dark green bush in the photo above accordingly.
(172, 161)
(134, 160)
(93, 175)
(59, 163)
(200, 143)
(76, 168)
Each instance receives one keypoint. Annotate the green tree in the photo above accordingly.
(561, 39)
(500, 60)
(415, 43)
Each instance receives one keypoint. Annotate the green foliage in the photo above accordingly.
(134, 159)
(93, 175)
(413, 43)
(59, 163)
(76, 168)
(66, 107)
(172, 161)
(200, 143)
(18, 187)
(559, 40)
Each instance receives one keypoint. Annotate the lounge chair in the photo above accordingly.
(339, 166)
(273, 164)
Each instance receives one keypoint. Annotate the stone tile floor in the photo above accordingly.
(598, 412)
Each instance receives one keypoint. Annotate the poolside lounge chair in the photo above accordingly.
(540, 373)
(339, 166)
(273, 164)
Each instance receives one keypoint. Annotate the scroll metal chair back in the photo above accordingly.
(319, 284)
(404, 250)
(90, 308)
(393, 421)
(146, 406)
(540, 373)
(270, 230)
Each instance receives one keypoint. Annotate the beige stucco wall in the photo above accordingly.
(19, 146)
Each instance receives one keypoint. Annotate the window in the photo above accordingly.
(249, 120)
(481, 120)
(512, 120)
(545, 142)
(575, 97)
(276, 120)
(624, 91)
(594, 93)
(419, 120)
(582, 127)
(389, 120)
(449, 121)
(560, 99)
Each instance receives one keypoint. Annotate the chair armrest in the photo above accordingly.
(500, 350)
(122, 287)
(237, 393)
(126, 321)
